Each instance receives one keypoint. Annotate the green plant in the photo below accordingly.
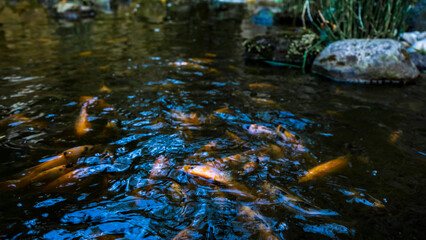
(343, 19)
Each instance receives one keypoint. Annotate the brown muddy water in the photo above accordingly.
(169, 87)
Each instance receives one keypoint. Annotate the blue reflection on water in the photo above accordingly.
(329, 230)
(49, 202)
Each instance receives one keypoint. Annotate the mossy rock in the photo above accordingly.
(287, 46)
(366, 61)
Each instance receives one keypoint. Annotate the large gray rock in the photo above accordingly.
(366, 61)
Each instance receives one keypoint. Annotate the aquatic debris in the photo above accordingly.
(262, 85)
(325, 169)
(257, 221)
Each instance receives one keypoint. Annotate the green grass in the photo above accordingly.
(365, 18)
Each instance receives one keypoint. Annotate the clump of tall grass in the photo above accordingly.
(344, 19)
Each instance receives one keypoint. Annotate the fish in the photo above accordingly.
(234, 137)
(261, 85)
(74, 176)
(211, 173)
(105, 89)
(207, 172)
(16, 118)
(177, 193)
(94, 102)
(87, 53)
(202, 60)
(257, 221)
(325, 169)
(259, 130)
(69, 156)
(118, 40)
(55, 165)
(363, 198)
(250, 167)
(266, 101)
(42, 177)
(278, 196)
(105, 67)
(394, 136)
(289, 138)
(210, 54)
(82, 125)
(191, 119)
(223, 110)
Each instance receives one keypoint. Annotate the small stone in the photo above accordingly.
(366, 61)
(420, 46)
(410, 37)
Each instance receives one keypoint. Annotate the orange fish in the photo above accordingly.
(75, 176)
(325, 169)
(105, 89)
(394, 136)
(234, 137)
(256, 220)
(223, 110)
(87, 53)
(250, 167)
(55, 165)
(207, 172)
(15, 118)
(202, 60)
(82, 125)
(266, 101)
(210, 54)
(69, 156)
(261, 85)
(192, 119)
(42, 177)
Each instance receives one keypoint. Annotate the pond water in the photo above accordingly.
(166, 81)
